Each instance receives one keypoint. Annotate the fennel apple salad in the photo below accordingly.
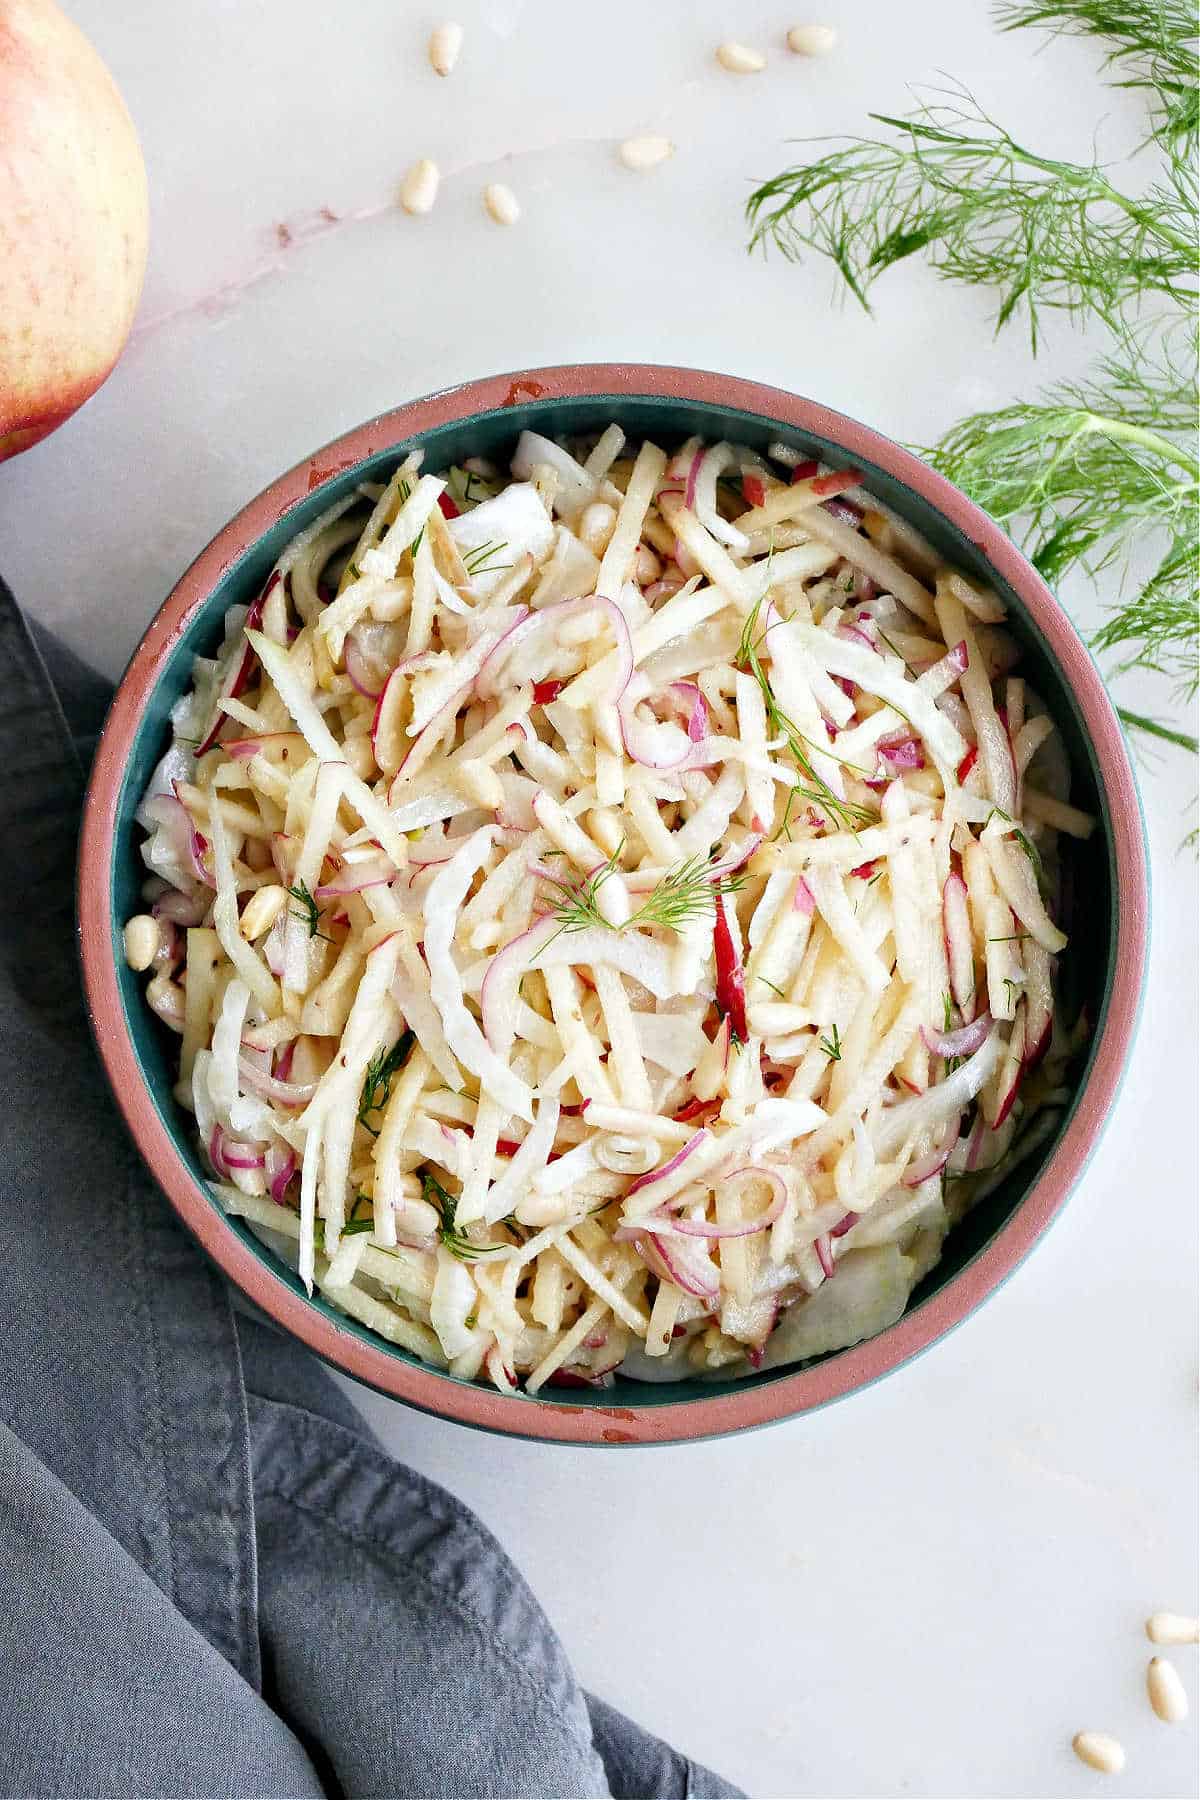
(605, 908)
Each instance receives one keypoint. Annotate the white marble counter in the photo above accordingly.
(928, 1588)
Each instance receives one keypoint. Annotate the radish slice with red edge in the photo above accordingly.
(239, 669)
(731, 979)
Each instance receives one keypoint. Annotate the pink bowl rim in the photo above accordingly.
(429, 1390)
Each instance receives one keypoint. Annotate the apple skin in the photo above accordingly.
(74, 217)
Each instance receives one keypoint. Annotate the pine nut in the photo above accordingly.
(645, 152)
(1099, 1751)
(1172, 1628)
(360, 756)
(141, 942)
(262, 909)
(597, 526)
(811, 40)
(740, 59)
(645, 566)
(444, 46)
(418, 190)
(501, 203)
(1168, 1696)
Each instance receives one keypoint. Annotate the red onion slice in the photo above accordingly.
(904, 753)
(701, 1228)
(274, 1087)
(649, 741)
(179, 908)
(535, 622)
(680, 1264)
(669, 1167)
(227, 1153)
(360, 675)
(856, 635)
(824, 1252)
(696, 708)
(280, 1166)
(935, 1160)
(169, 811)
(844, 1225)
(963, 1042)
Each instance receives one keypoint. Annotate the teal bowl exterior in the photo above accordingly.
(1102, 971)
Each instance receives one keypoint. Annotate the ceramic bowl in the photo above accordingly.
(1102, 971)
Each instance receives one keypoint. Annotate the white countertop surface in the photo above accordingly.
(928, 1588)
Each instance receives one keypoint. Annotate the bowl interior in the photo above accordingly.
(1086, 969)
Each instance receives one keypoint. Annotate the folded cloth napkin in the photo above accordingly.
(216, 1581)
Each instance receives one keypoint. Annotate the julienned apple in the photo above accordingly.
(73, 221)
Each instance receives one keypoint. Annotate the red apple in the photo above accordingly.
(73, 221)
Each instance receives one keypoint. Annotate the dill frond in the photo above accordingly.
(482, 560)
(309, 912)
(445, 1205)
(811, 788)
(683, 894)
(985, 210)
(377, 1082)
(1157, 37)
(1087, 473)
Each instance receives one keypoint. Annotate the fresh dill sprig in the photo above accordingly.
(309, 912)
(360, 1221)
(1095, 475)
(683, 894)
(377, 1082)
(813, 788)
(1156, 36)
(482, 560)
(831, 1045)
(686, 893)
(575, 906)
(444, 1205)
(987, 211)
